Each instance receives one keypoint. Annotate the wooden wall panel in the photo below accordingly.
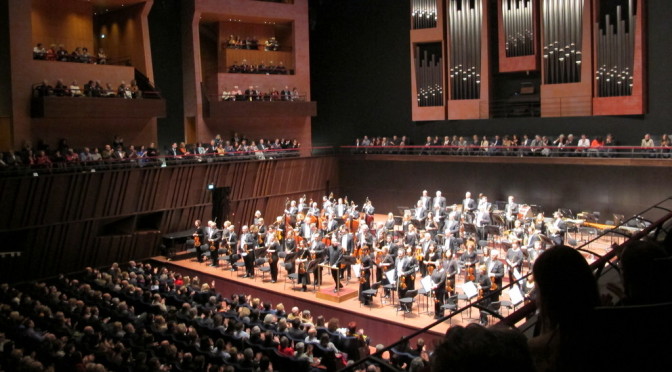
(58, 22)
(64, 222)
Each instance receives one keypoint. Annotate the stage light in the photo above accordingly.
(211, 186)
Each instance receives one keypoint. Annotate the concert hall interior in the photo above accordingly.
(406, 178)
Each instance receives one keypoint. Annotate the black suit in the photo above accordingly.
(212, 238)
(335, 257)
(246, 250)
(273, 250)
(496, 269)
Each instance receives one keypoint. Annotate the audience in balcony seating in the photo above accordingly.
(91, 89)
(510, 146)
(262, 68)
(79, 54)
(253, 94)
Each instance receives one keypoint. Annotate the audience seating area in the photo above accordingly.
(147, 318)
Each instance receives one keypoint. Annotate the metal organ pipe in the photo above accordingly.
(562, 20)
(423, 13)
(429, 75)
(465, 20)
(615, 53)
(518, 27)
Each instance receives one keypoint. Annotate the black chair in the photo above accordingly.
(408, 301)
(369, 294)
(450, 305)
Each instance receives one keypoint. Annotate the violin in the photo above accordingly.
(402, 283)
(470, 274)
(197, 241)
(493, 286)
(449, 286)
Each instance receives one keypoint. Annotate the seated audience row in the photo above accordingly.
(252, 43)
(262, 68)
(90, 89)
(80, 54)
(539, 145)
(253, 94)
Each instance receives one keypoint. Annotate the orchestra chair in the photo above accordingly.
(493, 311)
(393, 289)
(408, 301)
(293, 277)
(451, 306)
(371, 293)
(238, 265)
(259, 265)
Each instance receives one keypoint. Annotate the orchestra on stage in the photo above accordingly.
(434, 246)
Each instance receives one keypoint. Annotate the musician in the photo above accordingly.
(419, 214)
(482, 220)
(381, 233)
(518, 230)
(340, 209)
(302, 265)
(318, 250)
(406, 221)
(364, 237)
(439, 201)
(426, 200)
(257, 217)
(198, 232)
(230, 242)
(331, 224)
(483, 284)
(421, 251)
(302, 207)
(366, 264)
(293, 209)
(468, 204)
(248, 243)
(514, 260)
(535, 251)
(470, 257)
(540, 223)
(452, 267)
(335, 254)
(313, 210)
(483, 202)
(557, 228)
(273, 248)
(431, 225)
(368, 210)
(212, 236)
(411, 238)
(431, 258)
(382, 267)
(389, 223)
(439, 290)
(452, 226)
(495, 270)
(405, 269)
(511, 211)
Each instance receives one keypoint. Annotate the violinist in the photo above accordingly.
(432, 258)
(405, 266)
(484, 286)
(495, 269)
(197, 240)
(317, 250)
(439, 290)
(273, 248)
(366, 264)
(302, 265)
(384, 263)
(452, 269)
(421, 251)
(411, 237)
(452, 226)
(406, 221)
(212, 236)
(290, 242)
(450, 243)
(431, 224)
(469, 258)
(331, 224)
(368, 210)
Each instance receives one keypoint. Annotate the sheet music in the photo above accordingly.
(516, 295)
(427, 283)
(356, 269)
(516, 274)
(470, 289)
(391, 276)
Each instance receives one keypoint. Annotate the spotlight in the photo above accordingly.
(211, 186)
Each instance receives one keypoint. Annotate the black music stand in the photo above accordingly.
(491, 231)
(470, 228)
(312, 268)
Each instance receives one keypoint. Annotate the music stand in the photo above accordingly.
(469, 228)
(312, 268)
(492, 230)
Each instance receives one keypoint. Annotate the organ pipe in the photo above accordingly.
(615, 53)
(562, 20)
(465, 20)
(429, 75)
(423, 13)
(518, 27)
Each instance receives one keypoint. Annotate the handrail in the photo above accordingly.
(163, 161)
(542, 150)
